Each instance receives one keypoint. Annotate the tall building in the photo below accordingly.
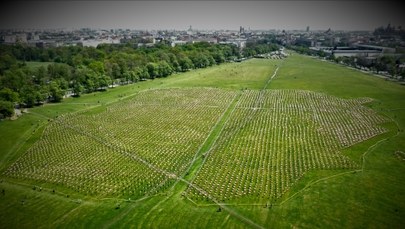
(241, 30)
(307, 28)
(190, 31)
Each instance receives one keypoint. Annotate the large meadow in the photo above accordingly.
(297, 142)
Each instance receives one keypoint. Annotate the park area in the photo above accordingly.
(260, 143)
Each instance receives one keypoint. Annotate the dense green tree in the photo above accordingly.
(127, 76)
(91, 83)
(97, 67)
(14, 79)
(6, 94)
(218, 57)
(41, 93)
(28, 95)
(248, 52)
(115, 71)
(142, 72)
(87, 69)
(6, 109)
(135, 77)
(77, 60)
(6, 62)
(164, 69)
(77, 89)
(40, 75)
(103, 82)
(199, 60)
(63, 84)
(152, 70)
(185, 64)
(161, 55)
(55, 92)
(210, 59)
(58, 71)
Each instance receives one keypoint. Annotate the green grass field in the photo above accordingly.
(35, 64)
(199, 129)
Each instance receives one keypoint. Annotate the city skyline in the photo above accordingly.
(179, 15)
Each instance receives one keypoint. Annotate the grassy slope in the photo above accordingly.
(251, 74)
(372, 198)
(12, 132)
(20, 134)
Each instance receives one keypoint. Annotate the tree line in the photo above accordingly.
(87, 69)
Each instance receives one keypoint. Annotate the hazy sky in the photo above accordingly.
(338, 15)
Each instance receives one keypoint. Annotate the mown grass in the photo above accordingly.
(15, 134)
(371, 197)
(250, 74)
(23, 207)
(306, 73)
(11, 130)
(36, 64)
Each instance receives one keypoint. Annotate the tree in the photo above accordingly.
(6, 62)
(77, 89)
(91, 69)
(248, 52)
(28, 95)
(115, 71)
(211, 60)
(87, 78)
(152, 70)
(55, 92)
(142, 72)
(104, 81)
(41, 75)
(14, 79)
(127, 76)
(200, 60)
(63, 84)
(97, 67)
(6, 109)
(162, 55)
(90, 84)
(173, 62)
(185, 64)
(41, 93)
(6, 94)
(77, 60)
(134, 77)
(218, 57)
(164, 69)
